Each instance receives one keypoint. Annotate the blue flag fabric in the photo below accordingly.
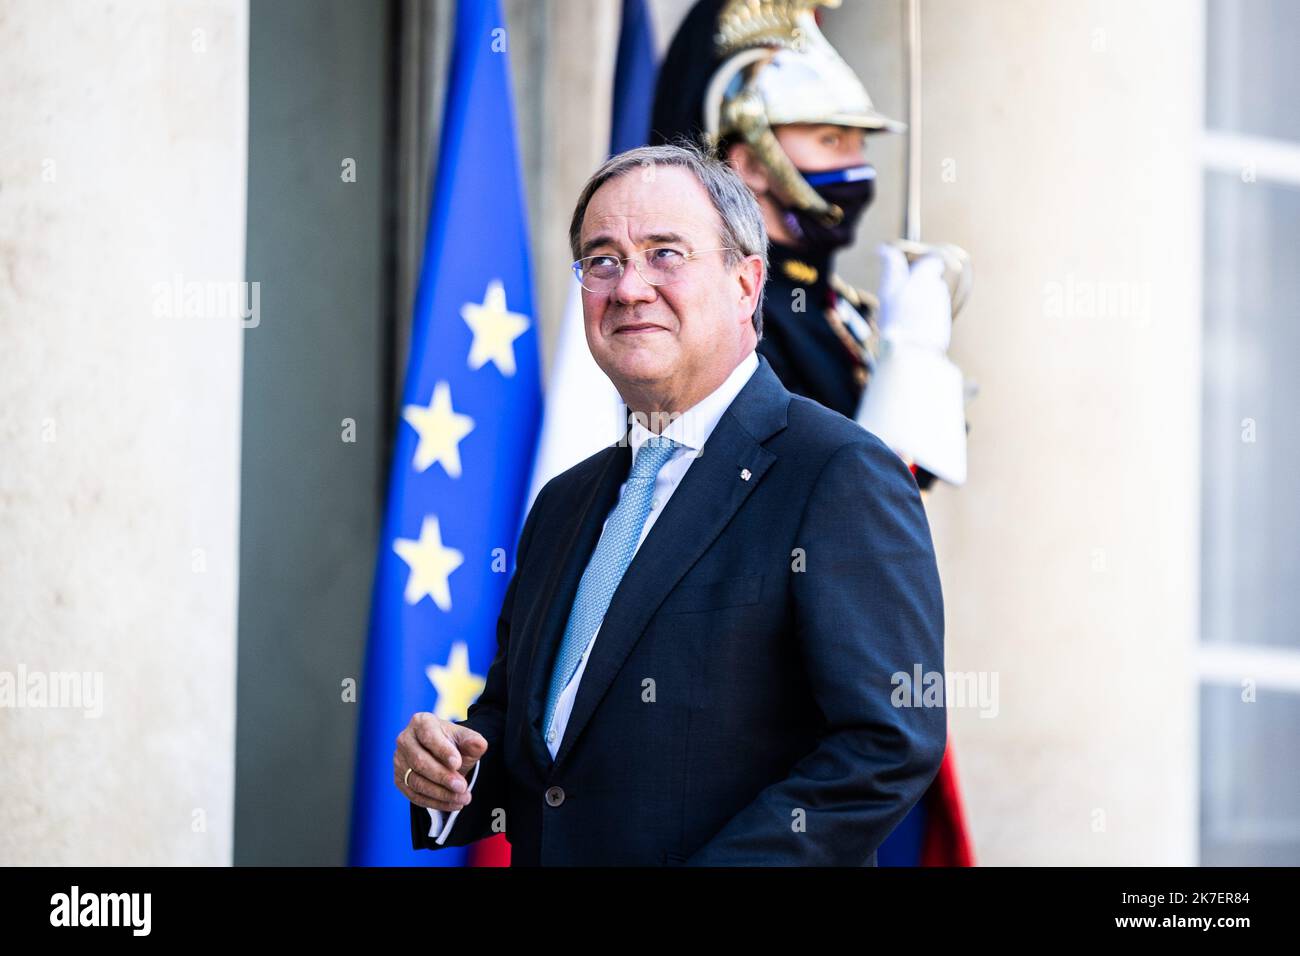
(464, 447)
(903, 846)
(635, 72)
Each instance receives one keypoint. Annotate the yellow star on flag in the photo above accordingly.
(495, 329)
(440, 430)
(430, 563)
(457, 685)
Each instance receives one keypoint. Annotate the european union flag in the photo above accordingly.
(465, 444)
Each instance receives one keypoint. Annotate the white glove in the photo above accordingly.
(914, 402)
(915, 305)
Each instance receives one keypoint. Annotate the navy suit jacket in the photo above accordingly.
(741, 704)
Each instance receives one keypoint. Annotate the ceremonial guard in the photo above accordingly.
(757, 81)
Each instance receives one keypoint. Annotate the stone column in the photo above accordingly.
(122, 181)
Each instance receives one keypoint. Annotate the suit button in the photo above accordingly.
(555, 796)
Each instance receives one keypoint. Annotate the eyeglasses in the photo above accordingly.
(657, 266)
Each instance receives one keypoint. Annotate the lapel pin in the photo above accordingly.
(744, 474)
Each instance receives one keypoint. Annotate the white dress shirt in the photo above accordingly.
(692, 429)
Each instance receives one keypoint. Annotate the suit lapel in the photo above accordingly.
(710, 493)
(591, 505)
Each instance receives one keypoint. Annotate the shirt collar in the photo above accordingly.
(696, 424)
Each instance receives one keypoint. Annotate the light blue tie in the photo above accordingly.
(608, 563)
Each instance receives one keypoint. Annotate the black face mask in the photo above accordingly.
(852, 189)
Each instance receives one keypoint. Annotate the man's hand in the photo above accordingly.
(440, 756)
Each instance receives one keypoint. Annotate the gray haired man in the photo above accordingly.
(705, 652)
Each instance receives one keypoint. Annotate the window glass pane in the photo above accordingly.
(1252, 72)
(1250, 775)
(1250, 497)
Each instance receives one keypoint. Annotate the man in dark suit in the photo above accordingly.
(710, 649)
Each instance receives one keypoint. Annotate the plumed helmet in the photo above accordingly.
(738, 68)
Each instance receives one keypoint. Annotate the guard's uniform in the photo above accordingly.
(819, 334)
(817, 339)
